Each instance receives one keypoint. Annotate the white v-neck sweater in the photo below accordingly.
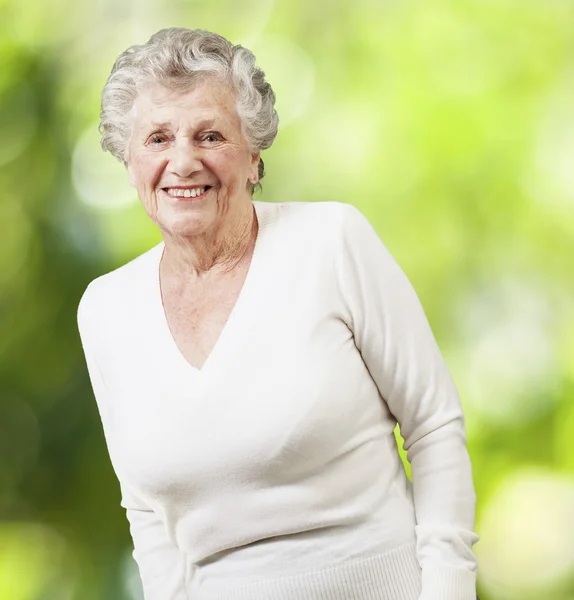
(272, 473)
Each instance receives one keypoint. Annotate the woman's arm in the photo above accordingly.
(392, 333)
(161, 564)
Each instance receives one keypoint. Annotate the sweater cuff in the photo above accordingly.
(448, 583)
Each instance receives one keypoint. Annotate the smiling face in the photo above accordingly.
(188, 159)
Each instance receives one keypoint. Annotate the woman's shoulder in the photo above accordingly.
(121, 286)
(323, 208)
(315, 218)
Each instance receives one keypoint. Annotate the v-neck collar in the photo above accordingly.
(175, 355)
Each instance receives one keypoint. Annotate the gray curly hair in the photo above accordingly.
(179, 58)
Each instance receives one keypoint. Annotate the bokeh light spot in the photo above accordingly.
(18, 120)
(507, 360)
(289, 70)
(32, 556)
(526, 533)
(16, 232)
(100, 180)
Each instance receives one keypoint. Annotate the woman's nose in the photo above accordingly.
(185, 158)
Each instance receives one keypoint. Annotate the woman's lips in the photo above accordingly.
(186, 198)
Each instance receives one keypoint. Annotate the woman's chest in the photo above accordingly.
(285, 377)
(286, 397)
(196, 317)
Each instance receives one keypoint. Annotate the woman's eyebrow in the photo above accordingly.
(205, 123)
(202, 124)
(159, 125)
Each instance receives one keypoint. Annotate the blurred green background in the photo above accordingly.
(449, 124)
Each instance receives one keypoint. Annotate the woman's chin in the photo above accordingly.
(184, 225)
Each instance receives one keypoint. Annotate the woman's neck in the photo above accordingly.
(214, 253)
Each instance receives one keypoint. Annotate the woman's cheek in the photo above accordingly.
(150, 200)
(147, 173)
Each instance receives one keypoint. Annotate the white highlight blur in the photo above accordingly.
(507, 363)
(550, 179)
(526, 533)
(289, 70)
(100, 180)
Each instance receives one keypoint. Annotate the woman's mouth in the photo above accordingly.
(186, 193)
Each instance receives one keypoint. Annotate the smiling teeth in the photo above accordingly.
(185, 193)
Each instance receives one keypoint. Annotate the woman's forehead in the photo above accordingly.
(208, 101)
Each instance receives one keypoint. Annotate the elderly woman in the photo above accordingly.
(250, 369)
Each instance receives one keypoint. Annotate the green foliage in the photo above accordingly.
(448, 124)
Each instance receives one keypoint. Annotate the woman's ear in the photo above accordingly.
(131, 177)
(130, 173)
(254, 169)
(128, 169)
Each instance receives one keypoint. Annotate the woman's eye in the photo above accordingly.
(212, 136)
(156, 138)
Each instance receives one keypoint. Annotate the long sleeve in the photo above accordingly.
(401, 354)
(161, 564)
